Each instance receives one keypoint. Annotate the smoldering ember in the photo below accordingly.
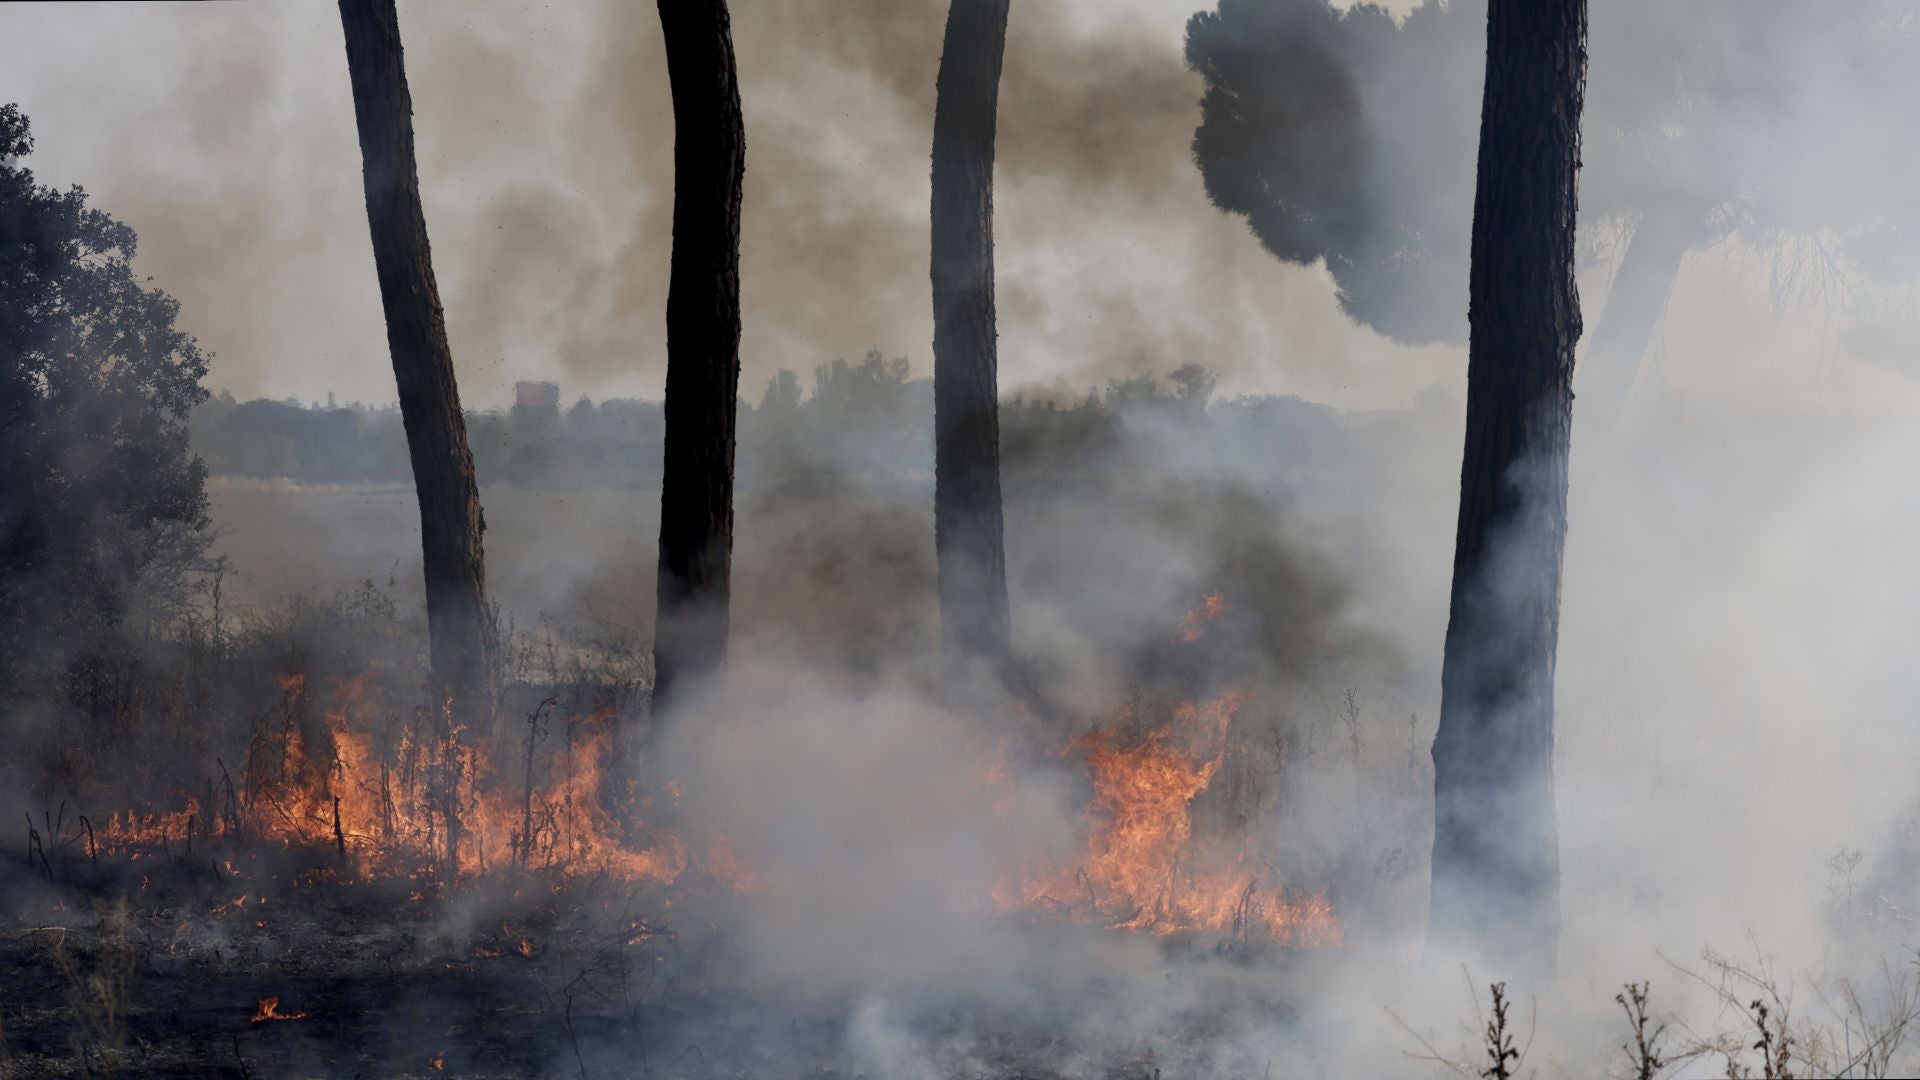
(912, 539)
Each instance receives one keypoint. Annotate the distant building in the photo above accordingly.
(536, 395)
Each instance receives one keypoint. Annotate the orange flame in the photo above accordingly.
(269, 1009)
(418, 799)
(1193, 624)
(726, 865)
(406, 799)
(1142, 868)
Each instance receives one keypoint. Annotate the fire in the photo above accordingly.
(269, 1009)
(414, 799)
(726, 865)
(1142, 869)
(1193, 624)
(380, 794)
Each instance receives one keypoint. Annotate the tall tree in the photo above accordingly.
(969, 533)
(703, 345)
(459, 622)
(1496, 859)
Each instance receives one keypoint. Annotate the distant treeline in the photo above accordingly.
(870, 421)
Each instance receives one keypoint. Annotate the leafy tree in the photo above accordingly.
(1344, 135)
(103, 512)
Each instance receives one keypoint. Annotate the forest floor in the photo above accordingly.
(176, 975)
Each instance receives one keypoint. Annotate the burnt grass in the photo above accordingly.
(149, 968)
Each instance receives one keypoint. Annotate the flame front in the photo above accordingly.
(415, 801)
(419, 799)
(1143, 870)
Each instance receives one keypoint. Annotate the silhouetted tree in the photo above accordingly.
(969, 533)
(459, 623)
(1700, 128)
(1341, 134)
(1496, 861)
(103, 506)
(703, 345)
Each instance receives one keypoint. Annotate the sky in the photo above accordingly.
(224, 134)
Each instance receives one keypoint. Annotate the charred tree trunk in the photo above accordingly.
(968, 529)
(459, 622)
(1496, 859)
(1636, 302)
(703, 346)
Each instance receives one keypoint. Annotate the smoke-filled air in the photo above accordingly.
(960, 539)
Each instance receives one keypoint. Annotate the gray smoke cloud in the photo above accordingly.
(225, 136)
(1734, 669)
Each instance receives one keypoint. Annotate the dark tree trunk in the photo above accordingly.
(459, 622)
(703, 346)
(968, 529)
(1496, 859)
(1636, 302)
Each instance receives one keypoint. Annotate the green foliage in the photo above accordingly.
(104, 516)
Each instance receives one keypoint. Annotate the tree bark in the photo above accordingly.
(459, 623)
(1636, 303)
(1496, 861)
(969, 531)
(703, 346)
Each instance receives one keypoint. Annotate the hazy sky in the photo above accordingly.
(224, 133)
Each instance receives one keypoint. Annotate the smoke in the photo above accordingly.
(1735, 649)
(226, 138)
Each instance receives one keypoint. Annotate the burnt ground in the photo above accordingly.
(163, 974)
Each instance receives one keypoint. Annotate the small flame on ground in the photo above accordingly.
(269, 1009)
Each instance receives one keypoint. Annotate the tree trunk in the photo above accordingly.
(703, 346)
(968, 528)
(1636, 302)
(1496, 861)
(459, 622)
